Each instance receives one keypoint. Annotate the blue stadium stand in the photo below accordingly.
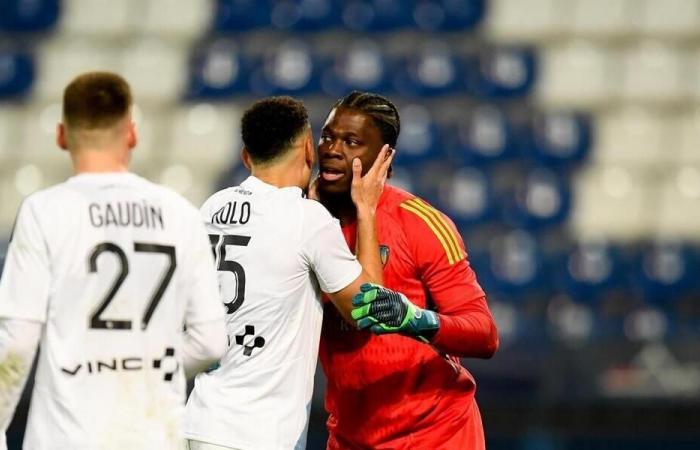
(542, 199)
(305, 15)
(483, 137)
(289, 69)
(588, 271)
(466, 196)
(26, 16)
(364, 66)
(376, 15)
(666, 271)
(448, 15)
(501, 73)
(218, 70)
(559, 139)
(432, 71)
(16, 74)
(241, 15)
(419, 141)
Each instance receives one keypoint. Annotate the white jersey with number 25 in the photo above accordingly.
(275, 251)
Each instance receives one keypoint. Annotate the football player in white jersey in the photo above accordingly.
(105, 269)
(276, 252)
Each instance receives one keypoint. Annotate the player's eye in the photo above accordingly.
(352, 142)
(325, 138)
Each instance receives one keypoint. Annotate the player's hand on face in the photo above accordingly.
(366, 190)
(383, 311)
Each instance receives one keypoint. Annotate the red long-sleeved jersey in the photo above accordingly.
(394, 392)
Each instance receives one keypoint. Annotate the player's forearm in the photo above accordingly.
(368, 245)
(205, 343)
(18, 343)
(469, 333)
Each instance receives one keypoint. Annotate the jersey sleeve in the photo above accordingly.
(204, 300)
(325, 251)
(26, 278)
(466, 324)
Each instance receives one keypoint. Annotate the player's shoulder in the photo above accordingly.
(168, 195)
(408, 207)
(314, 211)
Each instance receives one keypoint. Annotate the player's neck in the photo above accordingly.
(279, 175)
(340, 206)
(100, 161)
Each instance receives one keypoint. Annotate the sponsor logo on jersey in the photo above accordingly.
(168, 364)
(249, 340)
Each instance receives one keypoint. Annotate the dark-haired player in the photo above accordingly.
(400, 386)
(105, 269)
(276, 251)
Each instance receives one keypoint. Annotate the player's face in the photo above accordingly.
(346, 135)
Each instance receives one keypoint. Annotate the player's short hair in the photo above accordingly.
(271, 125)
(96, 100)
(382, 111)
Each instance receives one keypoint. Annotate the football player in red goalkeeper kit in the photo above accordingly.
(396, 382)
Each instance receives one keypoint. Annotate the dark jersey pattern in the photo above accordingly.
(391, 391)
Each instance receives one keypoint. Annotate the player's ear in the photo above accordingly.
(309, 150)
(245, 157)
(61, 139)
(132, 136)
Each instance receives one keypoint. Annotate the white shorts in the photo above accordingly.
(199, 445)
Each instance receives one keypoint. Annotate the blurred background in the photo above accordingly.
(561, 136)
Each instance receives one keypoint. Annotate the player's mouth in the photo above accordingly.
(331, 174)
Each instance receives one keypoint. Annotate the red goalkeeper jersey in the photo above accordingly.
(394, 392)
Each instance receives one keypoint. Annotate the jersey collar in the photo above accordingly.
(257, 185)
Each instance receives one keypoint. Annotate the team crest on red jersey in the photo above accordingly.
(384, 254)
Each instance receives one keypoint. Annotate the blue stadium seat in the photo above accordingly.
(363, 67)
(542, 199)
(559, 138)
(589, 270)
(514, 268)
(16, 74)
(420, 136)
(448, 15)
(218, 71)
(376, 15)
(484, 136)
(289, 69)
(432, 71)
(665, 272)
(501, 73)
(467, 196)
(241, 15)
(28, 15)
(305, 15)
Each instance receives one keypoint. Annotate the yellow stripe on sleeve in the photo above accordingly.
(449, 233)
(438, 233)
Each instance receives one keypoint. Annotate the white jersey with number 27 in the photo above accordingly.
(113, 266)
(276, 251)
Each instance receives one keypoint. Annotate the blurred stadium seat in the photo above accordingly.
(16, 73)
(527, 20)
(28, 15)
(559, 139)
(376, 15)
(579, 74)
(432, 70)
(613, 203)
(364, 66)
(218, 70)
(484, 135)
(604, 19)
(501, 73)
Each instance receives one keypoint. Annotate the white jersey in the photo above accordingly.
(113, 266)
(274, 249)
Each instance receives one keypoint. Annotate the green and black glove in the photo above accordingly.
(385, 311)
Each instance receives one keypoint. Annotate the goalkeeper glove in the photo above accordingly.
(385, 311)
